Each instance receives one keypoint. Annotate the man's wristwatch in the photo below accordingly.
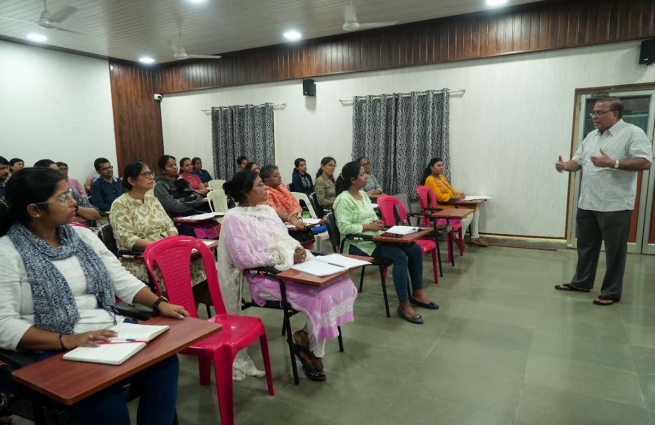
(155, 305)
(616, 164)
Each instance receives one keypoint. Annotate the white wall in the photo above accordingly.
(55, 106)
(506, 131)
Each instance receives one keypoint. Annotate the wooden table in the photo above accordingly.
(403, 239)
(191, 220)
(310, 279)
(69, 382)
(451, 213)
(471, 203)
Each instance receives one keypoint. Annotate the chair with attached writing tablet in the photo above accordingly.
(173, 258)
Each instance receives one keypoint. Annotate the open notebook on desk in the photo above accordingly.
(131, 339)
(476, 197)
(326, 265)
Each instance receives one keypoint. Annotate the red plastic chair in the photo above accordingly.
(388, 205)
(173, 258)
(428, 200)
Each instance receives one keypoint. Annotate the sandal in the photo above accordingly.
(311, 371)
(600, 299)
(568, 287)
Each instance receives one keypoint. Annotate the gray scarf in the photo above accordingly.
(54, 305)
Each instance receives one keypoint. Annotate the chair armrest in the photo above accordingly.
(421, 215)
(264, 271)
(129, 254)
(14, 359)
(432, 209)
(358, 237)
(317, 253)
(134, 312)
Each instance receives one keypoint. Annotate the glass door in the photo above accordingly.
(639, 110)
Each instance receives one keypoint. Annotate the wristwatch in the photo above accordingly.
(155, 305)
(616, 164)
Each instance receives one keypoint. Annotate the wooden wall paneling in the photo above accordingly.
(527, 28)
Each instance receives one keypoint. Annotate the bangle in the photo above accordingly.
(61, 341)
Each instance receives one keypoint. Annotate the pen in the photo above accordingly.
(337, 265)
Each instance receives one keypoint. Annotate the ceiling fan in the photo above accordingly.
(51, 21)
(181, 54)
(351, 23)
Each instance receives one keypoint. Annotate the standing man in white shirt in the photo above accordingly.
(610, 158)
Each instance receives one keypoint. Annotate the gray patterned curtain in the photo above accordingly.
(242, 130)
(399, 133)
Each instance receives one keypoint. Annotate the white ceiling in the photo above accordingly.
(128, 29)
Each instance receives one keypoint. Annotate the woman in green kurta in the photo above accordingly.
(138, 220)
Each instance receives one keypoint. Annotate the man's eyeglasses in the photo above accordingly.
(599, 113)
(147, 174)
(64, 198)
(111, 167)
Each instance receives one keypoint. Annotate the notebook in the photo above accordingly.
(476, 197)
(326, 265)
(131, 339)
(401, 230)
(199, 217)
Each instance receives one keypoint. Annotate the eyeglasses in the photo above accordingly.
(61, 199)
(599, 113)
(364, 164)
(111, 167)
(261, 184)
(147, 174)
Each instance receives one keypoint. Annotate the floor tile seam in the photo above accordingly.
(587, 395)
(633, 372)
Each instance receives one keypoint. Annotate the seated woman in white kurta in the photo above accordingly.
(254, 236)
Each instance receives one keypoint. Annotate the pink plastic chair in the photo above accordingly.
(173, 258)
(388, 205)
(429, 200)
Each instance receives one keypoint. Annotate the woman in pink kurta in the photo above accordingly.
(186, 172)
(254, 236)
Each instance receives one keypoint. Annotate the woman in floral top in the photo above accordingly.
(138, 220)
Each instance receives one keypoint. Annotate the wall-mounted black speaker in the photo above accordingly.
(309, 88)
(647, 54)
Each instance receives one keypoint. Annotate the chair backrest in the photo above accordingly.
(427, 198)
(172, 255)
(391, 209)
(215, 184)
(320, 212)
(217, 200)
(333, 231)
(303, 197)
(107, 237)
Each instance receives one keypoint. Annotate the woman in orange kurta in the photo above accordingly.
(285, 205)
(434, 179)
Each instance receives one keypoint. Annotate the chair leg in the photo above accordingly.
(461, 242)
(436, 244)
(284, 329)
(204, 370)
(287, 326)
(340, 340)
(383, 278)
(263, 342)
(450, 248)
(434, 266)
(209, 311)
(224, 386)
(361, 280)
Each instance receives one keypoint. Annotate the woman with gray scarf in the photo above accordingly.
(59, 285)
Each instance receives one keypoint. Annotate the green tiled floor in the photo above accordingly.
(505, 348)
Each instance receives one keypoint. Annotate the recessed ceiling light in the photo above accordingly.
(197, 1)
(146, 60)
(496, 2)
(292, 35)
(37, 37)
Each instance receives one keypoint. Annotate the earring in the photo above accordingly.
(38, 215)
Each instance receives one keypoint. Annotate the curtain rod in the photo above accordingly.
(452, 92)
(280, 106)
